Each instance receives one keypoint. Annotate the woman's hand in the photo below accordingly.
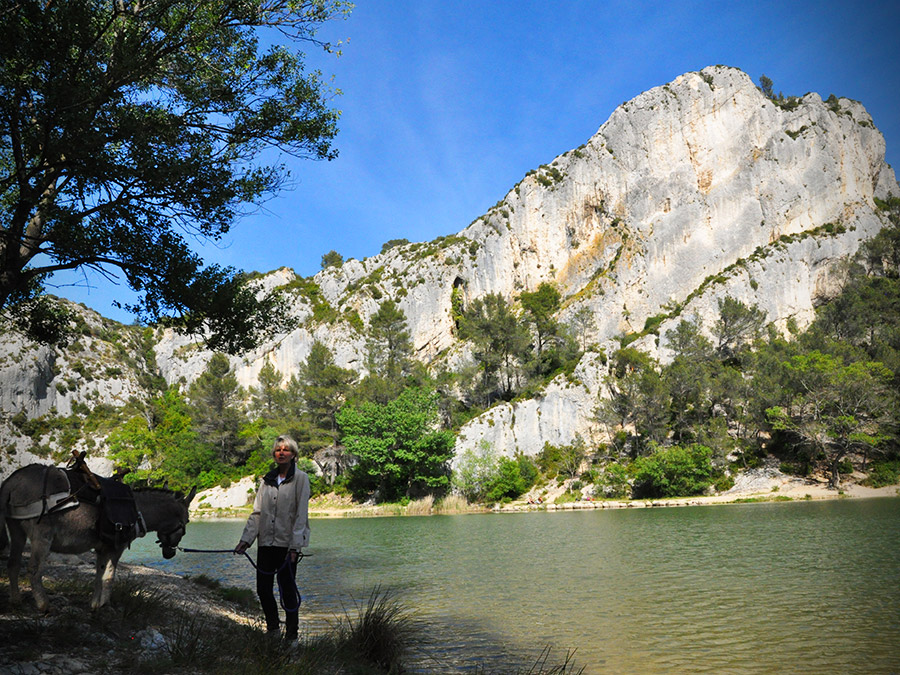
(294, 555)
(241, 547)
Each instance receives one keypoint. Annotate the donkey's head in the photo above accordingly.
(165, 513)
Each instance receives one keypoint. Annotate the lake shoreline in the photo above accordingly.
(804, 492)
(784, 489)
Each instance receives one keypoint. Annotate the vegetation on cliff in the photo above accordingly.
(824, 399)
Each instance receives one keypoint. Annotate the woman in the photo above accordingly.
(280, 520)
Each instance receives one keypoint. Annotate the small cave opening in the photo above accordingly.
(458, 300)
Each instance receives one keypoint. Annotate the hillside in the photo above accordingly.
(693, 191)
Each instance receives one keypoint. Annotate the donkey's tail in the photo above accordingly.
(4, 497)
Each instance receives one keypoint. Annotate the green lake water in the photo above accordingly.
(802, 587)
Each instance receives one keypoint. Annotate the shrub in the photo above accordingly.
(483, 475)
(673, 472)
(882, 474)
(724, 483)
(613, 482)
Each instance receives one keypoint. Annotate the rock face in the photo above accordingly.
(692, 191)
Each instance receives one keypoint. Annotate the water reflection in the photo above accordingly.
(755, 588)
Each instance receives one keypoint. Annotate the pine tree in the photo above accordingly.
(215, 399)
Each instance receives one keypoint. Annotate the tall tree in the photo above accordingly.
(125, 125)
(332, 259)
(399, 449)
(540, 308)
(389, 358)
(215, 399)
(165, 449)
(501, 344)
(267, 399)
(765, 85)
(581, 324)
(836, 407)
(737, 327)
(325, 387)
(637, 396)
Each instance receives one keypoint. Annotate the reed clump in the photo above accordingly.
(452, 504)
(421, 507)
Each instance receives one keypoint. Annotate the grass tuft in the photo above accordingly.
(381, 632)
(452, 504)
(421, 507)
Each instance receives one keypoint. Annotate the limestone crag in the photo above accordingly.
(693, 190)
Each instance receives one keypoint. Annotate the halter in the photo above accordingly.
(165, 540)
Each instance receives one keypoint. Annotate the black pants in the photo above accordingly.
(268, 560)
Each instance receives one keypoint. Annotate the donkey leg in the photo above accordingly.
(107, 559)
(14, 564)
(40, 549)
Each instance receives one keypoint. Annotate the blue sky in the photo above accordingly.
(446, 105)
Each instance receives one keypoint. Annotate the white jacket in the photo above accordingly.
(280, 514)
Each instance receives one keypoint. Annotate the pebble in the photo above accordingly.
(49, 665)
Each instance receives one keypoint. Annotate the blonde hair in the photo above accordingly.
(288, 442)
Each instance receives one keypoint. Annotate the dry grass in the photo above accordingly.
(420, 507)
(452, 504)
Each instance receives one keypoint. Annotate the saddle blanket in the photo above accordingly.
(38, 508)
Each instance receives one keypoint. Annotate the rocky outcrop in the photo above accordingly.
(694, 190)
(104, 367)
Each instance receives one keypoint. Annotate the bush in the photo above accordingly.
(381, 633)
(673, 472)
(882, 474)
(724, 483)
(508, 482)
(613, 482)
(564, 459)
(483, 475)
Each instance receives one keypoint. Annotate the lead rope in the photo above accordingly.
(286, 563)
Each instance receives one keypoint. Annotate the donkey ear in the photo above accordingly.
(190, 495)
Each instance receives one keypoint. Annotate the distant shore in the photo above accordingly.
(780, 489)
(791, 492)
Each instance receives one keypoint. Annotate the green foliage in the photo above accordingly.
(389, 352)
(324, 387)
(167, 450)
(562, 460)
(398, 451)
(500, 345)
(322, 310)
(638, 396)
(218, 415)
(475, 471)
(673, 472)
(882, 474)
(835, 406)
(582, 323)
(456, 305)
(540, 307)
(484, 475)
(176, 109)
(332, 259)
(392, 243)
(268, 399)
(613, 482)
(737, 326)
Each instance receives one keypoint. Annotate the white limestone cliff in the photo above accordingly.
(694, 190)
